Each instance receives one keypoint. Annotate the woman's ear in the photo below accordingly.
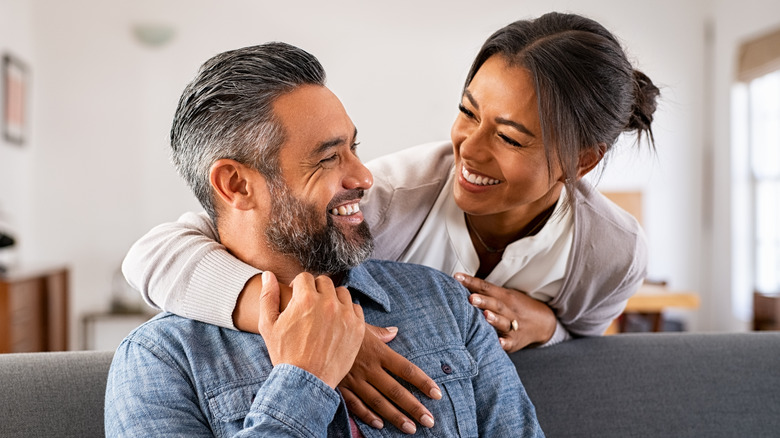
(590, 158)
(232, 183)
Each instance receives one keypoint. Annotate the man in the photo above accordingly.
(270, 153)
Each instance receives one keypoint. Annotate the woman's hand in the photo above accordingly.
(370, 389)
(519, 319)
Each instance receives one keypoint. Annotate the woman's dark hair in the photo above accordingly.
(588, 92)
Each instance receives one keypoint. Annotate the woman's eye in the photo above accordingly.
(510, 141)
(465, 111)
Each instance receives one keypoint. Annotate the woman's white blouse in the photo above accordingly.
(535, 265)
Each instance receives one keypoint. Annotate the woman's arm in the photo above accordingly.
(181, 267)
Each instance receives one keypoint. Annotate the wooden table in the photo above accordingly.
(652, 300)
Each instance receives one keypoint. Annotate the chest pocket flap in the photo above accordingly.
(446, 363)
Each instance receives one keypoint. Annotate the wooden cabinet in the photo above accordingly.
(766, 311)
(34, 310)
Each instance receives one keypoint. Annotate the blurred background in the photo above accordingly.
(85, 171)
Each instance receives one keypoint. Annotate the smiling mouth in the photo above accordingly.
(346, 209)
(477, 180)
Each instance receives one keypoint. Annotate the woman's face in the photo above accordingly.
(500, 160)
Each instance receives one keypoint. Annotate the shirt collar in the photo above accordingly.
(361, 280)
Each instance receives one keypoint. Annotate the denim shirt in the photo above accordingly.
(175, 376)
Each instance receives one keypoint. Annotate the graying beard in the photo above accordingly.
(293, 230)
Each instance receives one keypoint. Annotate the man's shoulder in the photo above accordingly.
(389, 267)
(415, 282)
(168, 329)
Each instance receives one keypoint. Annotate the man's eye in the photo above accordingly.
(330, 159)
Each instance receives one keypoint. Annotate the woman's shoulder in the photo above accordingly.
(415, 166)
(406, 186)
(593, 209)
(606, 233)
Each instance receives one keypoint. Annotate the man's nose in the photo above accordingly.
(357, 176)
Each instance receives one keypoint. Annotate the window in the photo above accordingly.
(755, 166)
(764, 152)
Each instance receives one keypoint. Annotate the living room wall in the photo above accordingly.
(96, 174)
(16, 161)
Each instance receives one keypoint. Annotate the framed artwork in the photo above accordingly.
(15, 91)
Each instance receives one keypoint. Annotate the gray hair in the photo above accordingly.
(227, 112)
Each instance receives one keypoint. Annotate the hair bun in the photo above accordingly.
(645, 102)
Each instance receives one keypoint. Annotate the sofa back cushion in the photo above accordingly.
(656, 385)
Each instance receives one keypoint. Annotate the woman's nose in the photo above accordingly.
(474, 145)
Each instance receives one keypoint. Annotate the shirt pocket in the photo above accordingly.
(453, 369)
(230, 404)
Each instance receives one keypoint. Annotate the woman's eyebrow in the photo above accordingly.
(471, 99)
(500, 120)
(519, 126)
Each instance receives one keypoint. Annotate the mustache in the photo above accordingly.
(347, 195)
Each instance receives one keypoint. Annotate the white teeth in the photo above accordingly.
(478, 180)
(346, 210)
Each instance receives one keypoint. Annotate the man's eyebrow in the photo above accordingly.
(332, 143)
(500, 120)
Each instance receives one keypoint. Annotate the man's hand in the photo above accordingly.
(319, 331)
(519, 319)
(369, 389)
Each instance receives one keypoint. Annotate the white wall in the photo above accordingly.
(16, 162)
(103, 104)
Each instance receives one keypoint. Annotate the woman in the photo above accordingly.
(547, 256)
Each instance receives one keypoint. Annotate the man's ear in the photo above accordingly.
(233, 183)
(590, 158)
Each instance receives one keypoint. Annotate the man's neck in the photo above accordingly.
(286, 291)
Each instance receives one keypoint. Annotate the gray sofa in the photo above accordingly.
(631, 385)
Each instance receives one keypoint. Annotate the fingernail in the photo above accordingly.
(490, 316)
(436, 393)
(264, 276)
(376, 424)
(426, 420)
(409, 427)
(502, 342)
(475, 300)
(392, 329)
(460, 277)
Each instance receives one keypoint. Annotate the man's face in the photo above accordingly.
(314, 211)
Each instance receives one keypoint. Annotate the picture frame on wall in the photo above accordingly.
(15, 91)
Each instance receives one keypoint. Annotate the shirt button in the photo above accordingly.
(446, 368)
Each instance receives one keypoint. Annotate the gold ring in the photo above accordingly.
(513, 326)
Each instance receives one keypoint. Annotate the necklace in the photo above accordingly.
(537, 226)
(489, 249)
